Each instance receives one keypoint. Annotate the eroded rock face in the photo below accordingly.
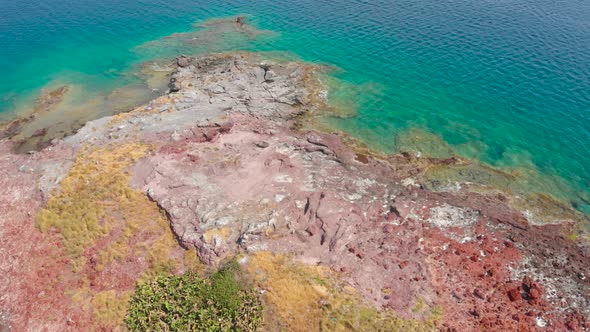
(234, 176)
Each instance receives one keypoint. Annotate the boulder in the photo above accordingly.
(174, 85)
(183, 61)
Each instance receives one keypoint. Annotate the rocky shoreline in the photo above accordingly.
(226, 159)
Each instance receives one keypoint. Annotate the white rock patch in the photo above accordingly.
(450, 216)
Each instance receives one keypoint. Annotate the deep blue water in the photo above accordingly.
(506, 82)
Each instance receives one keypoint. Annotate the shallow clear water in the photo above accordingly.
(505, 81)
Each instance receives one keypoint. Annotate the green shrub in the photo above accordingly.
(191, 303)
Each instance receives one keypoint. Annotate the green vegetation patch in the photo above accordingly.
(191, 303)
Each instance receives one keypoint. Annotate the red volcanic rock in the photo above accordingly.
(514, 294)
(527, 283)
(403, 264)
(534, 295)
(388, 229)
(576, 322)
(478, 293)
(313, 229)
(532, 289)
(572, 325)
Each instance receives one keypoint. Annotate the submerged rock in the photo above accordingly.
(47, 101)
(240, 21)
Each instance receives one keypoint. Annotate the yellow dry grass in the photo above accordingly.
(110, 306)
(294, 291)
(310, 298)
(191, 261)
(96, 208)
(94, 185)
(222, 233)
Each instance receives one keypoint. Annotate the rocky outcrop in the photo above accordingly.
(183, 61)
(233, 175)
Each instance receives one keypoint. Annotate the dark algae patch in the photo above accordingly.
(192, 303)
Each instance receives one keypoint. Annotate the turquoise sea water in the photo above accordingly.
(506, 82)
